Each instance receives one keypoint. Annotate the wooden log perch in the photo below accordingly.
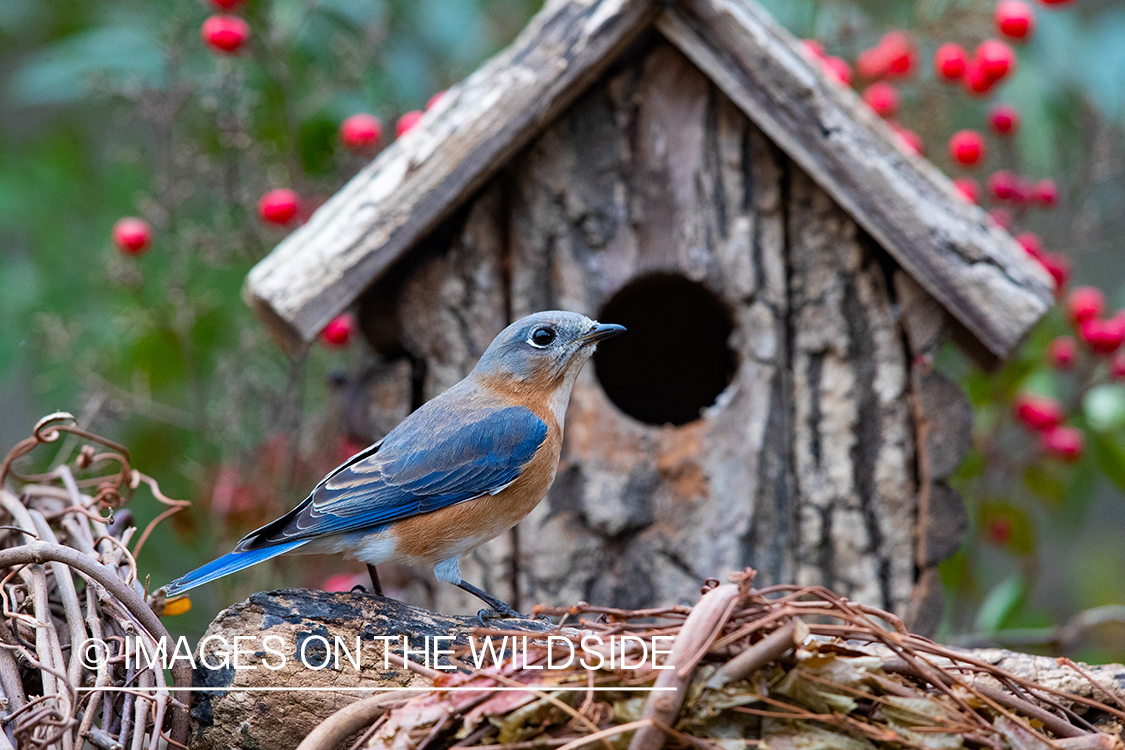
(284, 638)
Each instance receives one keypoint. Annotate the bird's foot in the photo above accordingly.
(530, 622)
(359, 588)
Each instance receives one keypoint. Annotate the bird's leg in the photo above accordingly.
(376, 587)
(497, 609)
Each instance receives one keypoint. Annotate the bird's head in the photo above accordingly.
(543, 349)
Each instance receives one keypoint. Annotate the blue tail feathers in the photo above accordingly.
(226, 564)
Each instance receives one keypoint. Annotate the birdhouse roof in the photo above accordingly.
(971, 266)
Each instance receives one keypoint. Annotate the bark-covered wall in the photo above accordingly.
(805, 468)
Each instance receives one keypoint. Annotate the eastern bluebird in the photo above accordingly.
(465, 467)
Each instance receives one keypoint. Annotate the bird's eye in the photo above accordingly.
(542, 337)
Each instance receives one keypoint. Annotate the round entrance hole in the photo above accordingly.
(674, 361)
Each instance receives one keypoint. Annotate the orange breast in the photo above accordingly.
(427, 539)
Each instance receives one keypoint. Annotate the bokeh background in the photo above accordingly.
(117, 108)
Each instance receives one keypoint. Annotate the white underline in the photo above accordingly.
(244, 689)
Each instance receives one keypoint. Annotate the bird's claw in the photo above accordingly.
(487, 614)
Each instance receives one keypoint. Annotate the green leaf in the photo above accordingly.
(1041, 479)
(62, 71)
(1000, 603)
(1104, 407)
(1110, 456)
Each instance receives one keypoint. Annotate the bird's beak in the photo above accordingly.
(600, 332)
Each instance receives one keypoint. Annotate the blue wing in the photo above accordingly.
(426, 463)
(423, 465)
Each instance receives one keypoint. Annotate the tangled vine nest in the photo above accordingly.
(783, 667)
(70, 583)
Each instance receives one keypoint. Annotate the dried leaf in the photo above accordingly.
(800, 735)
(1019, 736)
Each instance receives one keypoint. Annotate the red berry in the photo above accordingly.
(338, 332)
(346, 447)
(1117, 366)
(1031, 244)
(950, 61)
(278, 206)
(1103, 336)
(901, 55)
(434, 99)
(909, 141)
(1021, 191)
(1045, 193)
(1015, 19)
(977, 81)
(1058, 266)
(968, 188)
(1055, 2)
(883, 98)
(967, 148)
(225, 34)
(1064, 443)
(1001, 217)
(132, 235)
(872, 63)
(361, 131)
(227, 4)
(1003, 185)
(1085, 303)
(340, 581)
(1062, 352)
(1038, 412)
(1004, 119)
(838, 70)
(407, 122)
(813, 48)
(893, 57)
(997, 57)
(1000, 530)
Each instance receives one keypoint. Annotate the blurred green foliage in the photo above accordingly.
(116, 108)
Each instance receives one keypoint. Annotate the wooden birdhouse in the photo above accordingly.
(783, 266)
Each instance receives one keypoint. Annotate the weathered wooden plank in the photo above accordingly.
(853, 449)
(975, 269)
(422, 177)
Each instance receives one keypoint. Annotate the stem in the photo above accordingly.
(38, 553)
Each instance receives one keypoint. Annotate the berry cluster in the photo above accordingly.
(993, 61)
(227, 34)
(1096, 349)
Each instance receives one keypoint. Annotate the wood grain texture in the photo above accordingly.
(425, 175)
(976, 270)
(851, 430)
